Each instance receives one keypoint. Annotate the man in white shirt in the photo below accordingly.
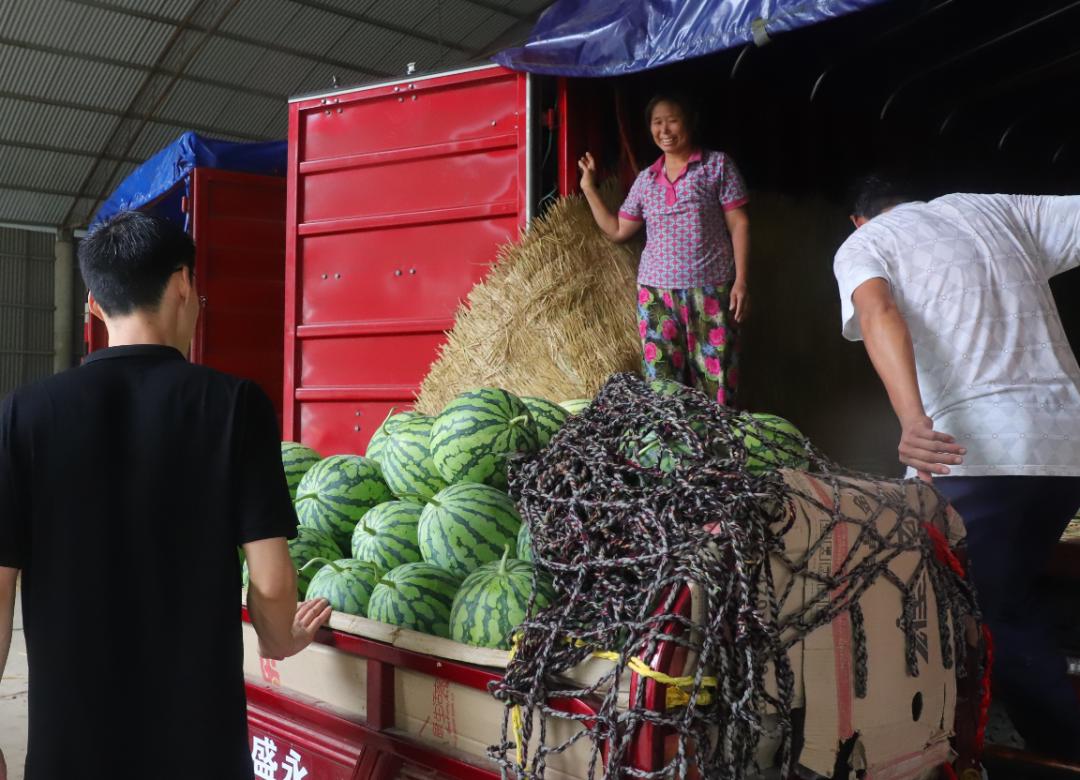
(951, 298)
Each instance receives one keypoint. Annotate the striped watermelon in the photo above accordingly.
(475, 433)
(308, 545)
(406, 460)
(467, 525)
(296, 459)
(492, 602)
(377, 441)
(772, 442)
(576, 405)
(336, 492)
(417, 596)
(386, 534)
(524, 542)
(548, 416)
(346, 584)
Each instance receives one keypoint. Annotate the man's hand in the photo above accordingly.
(926, 450)
(310, 617)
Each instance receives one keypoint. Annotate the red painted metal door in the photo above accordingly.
(399, 195)
(238, 223)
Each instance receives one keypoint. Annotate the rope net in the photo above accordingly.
(645, 492)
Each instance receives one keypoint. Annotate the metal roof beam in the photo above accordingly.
(372, 21)
(182, 47)
(207, 129)
(37, 190)
(102, 60)
(33, 147)
(230, 36)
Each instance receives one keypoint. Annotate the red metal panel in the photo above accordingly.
(238, 223)
(467, 106)
(399, 195)
(344, 427)
(423, 269)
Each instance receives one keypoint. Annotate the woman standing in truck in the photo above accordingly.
(692, 282)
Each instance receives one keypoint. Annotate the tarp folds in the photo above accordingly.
(155, 183)
(614, 37)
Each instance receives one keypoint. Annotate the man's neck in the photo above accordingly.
(140, 329)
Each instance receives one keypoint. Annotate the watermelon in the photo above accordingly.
(417, 596)
(492, 602)
(336, 492)
(548, 416)
(296, 459)
(346, 584)
(475, 433)
(771, 442)
(375, 444)
(576, 405)
(386, 534)
(406, 460)
(467, 525)
(310, 544)
(524, 543)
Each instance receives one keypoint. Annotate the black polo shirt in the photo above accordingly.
(125, 487)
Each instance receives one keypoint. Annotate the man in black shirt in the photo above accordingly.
(126, 486)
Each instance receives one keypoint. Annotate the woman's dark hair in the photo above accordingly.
(685, 104)
(876, 192)
(127, 261)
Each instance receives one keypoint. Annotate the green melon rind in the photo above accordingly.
(763, 454)
(308, 544)
(296, 460)
(348, 590)
(386, 535)
(336, 492)
(377, 441)
(406, 460)
(575, 405)
(416, 596)
(548, 416)
(492, 602)
(524, 543)
(467, 525)
(476, 432)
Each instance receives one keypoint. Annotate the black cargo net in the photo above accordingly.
(621, 541)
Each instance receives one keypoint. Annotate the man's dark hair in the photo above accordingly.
(127, 261)
(877, 192)
(686, 105)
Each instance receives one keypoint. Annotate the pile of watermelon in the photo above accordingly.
(419, 532)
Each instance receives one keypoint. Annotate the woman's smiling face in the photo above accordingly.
(668, 126)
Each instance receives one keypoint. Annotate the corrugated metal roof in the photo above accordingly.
(71, 71)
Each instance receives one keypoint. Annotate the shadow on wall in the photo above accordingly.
(794, 362)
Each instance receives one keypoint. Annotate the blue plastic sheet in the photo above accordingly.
(160, 183)
(615, 37)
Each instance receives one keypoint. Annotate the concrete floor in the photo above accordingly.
(13, 717)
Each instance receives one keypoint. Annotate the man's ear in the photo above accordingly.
(858, 222)
(94, 307)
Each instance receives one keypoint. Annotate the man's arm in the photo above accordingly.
(8, 576)
(284, 629)
(888, 342)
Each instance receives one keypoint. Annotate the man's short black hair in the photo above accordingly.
(685, 103)
(877, 192)
(126, 262)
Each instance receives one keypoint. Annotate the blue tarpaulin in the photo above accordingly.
(615, 37)
(159, 184)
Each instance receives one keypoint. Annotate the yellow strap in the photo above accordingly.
(675, 697)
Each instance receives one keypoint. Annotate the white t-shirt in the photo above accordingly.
(970, 275)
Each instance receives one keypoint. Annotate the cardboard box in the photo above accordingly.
(902, 726)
